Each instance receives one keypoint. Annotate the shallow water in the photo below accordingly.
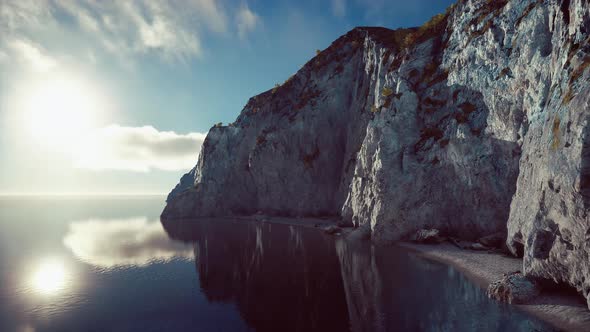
(108, 264)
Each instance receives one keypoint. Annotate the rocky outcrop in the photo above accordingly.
(291, 151)
(475, 120)
(513, 288)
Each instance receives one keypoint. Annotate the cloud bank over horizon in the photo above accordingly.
(138, 149)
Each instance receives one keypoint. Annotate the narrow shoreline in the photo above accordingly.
(563, 311)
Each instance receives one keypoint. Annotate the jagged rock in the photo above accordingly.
(496, 240)
(549, 223)
(477, 118)
(513, 288)
(427, 236)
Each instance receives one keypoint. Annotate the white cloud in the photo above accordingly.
(138, 149)
(15, 14)
(121, 242)
(211, 11)
(32, 55)
(339, 8)
(246, 21)
(171, 29)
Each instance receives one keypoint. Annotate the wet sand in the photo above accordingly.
(564, 310)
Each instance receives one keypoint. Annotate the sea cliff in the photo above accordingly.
(475, 123)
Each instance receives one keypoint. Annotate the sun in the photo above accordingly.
(60, 110)
(49, 277)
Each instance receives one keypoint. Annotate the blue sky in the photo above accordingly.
(116, 96)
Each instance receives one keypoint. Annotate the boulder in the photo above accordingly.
(514, 288)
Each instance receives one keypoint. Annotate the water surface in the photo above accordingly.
(108, 264)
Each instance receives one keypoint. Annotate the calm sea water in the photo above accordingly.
(108, 264)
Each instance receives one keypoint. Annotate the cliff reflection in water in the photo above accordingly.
(285, 278)
(278, 280)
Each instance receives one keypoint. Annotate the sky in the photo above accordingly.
(102, 97)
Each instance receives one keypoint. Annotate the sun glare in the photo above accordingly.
(59, 111)
(50, 277)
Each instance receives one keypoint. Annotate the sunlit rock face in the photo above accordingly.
(292, 149)
(479, 122)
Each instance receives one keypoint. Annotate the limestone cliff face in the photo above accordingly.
(549, 219)
(475, 123)
(291, 151)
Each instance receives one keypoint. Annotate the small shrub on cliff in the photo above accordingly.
(435, 26)
(375, 109)
(288, 79)
(276, 88)
(386, 92)
(318, 52)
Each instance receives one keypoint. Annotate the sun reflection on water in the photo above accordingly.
(49, 277)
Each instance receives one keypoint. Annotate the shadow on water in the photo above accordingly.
(281, 278)
(284, 278)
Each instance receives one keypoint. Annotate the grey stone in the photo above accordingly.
(513, 288)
